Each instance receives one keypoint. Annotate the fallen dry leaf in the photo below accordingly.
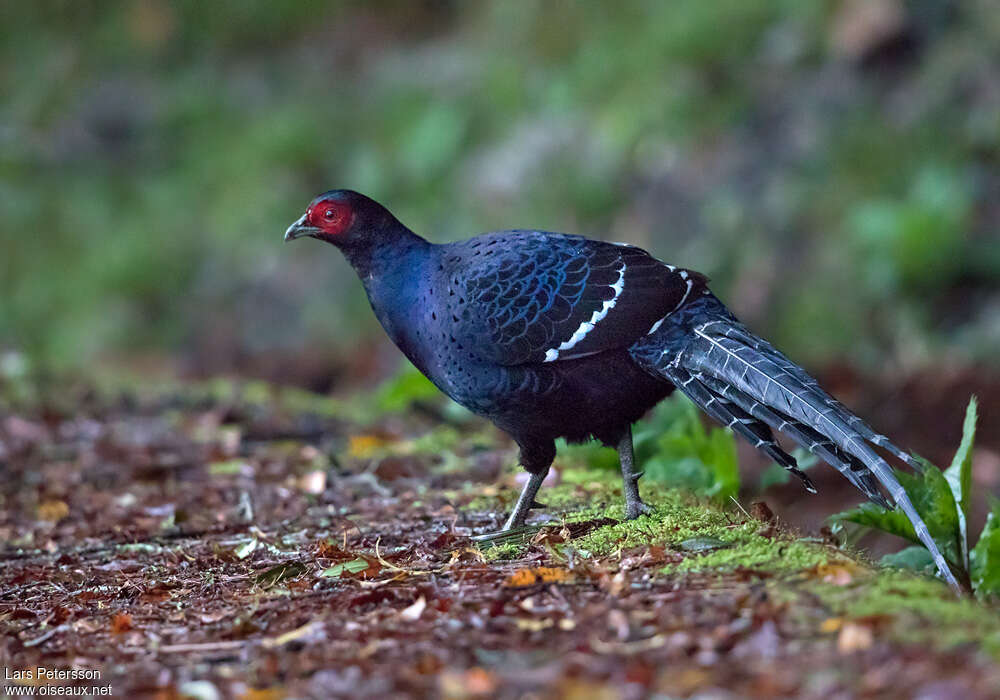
(761, 511)
(854, 637)
(831, 624)
(476, 681)
(839, 574)
(619, 584)
(683, 682)
(314, 482)
(531, 624)
(121, 622)
(311, 630)
(549, 536)
(364, 445)
(538, 574)
(264, 694)
(53, 511)
(413, 612)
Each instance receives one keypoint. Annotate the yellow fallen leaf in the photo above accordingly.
(276, 693)
(53, 511)
(538, 574)
(364, 445)
(831, 624)
(839, 574)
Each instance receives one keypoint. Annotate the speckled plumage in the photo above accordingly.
(484, 316)
(551, 335)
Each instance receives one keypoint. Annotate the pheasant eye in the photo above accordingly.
(331, 217)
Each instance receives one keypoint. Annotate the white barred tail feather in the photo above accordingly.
(733, 376)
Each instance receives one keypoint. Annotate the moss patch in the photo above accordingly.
(503, 552)
(757, 553)
(677, 517)
(919, 610)
(910, 608)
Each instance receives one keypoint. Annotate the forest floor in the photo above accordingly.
(239, 541)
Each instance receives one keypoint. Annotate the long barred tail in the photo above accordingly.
(745, 383)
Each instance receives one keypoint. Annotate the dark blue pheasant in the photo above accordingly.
(550, 336)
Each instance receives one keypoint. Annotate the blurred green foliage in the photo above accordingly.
(673, 446)
(405, 388)
(831, 166)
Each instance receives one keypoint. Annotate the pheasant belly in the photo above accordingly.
(598, 396)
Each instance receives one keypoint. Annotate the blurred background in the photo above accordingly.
(832, 165)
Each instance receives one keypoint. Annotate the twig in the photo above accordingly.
(393, 567)
(206, 646)
(738, 505)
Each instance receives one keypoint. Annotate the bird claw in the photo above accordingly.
(635, 509)
(536, 504)
(637, 475)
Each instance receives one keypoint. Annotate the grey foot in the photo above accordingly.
(525, 502)
(636, 508)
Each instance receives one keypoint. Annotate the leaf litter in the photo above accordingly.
(127, 547)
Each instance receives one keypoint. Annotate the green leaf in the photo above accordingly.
(915, 558)
(592, 454)
(959, 477)
(281, 572)
(775, 474)
(228, 466)
(719, 455)
(704, 544)
(349, 567)
(674, 446)
(409, 385)
(246, 549)
(985, 556)
(931, 496)
(878, 518)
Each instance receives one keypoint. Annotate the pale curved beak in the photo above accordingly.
(299, 229)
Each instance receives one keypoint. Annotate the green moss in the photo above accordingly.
(676, 517)
(583, 496)
(301, 401)
(484, 503)
(755, 552)
(923, 610)
(504, 552)
(440, 439)
(586, 494)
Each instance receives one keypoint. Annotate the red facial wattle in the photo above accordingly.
(331, 217)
